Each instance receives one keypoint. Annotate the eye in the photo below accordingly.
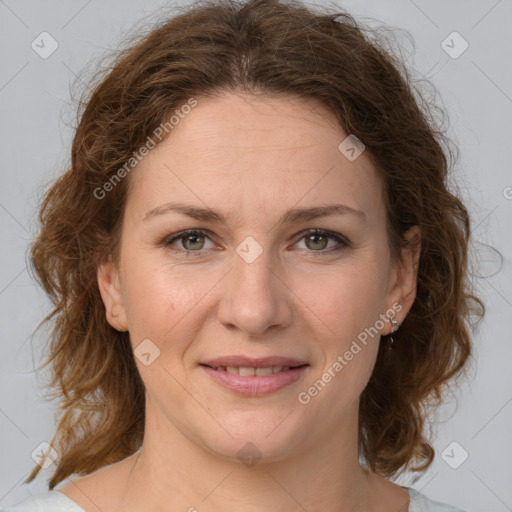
(191, 240)
(317, 240)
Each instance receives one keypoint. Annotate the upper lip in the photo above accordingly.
(250, 362)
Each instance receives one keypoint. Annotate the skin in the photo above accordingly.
(251, 159)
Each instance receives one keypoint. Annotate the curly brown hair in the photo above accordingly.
(263, 47)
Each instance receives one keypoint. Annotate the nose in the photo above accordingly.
(254, 297)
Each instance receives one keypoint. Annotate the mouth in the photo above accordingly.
(248, 371)
(255, 380)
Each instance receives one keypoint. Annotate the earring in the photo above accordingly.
(395, 324)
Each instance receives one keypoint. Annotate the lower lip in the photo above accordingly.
(256, 385)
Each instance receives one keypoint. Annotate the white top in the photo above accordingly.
(55, 501)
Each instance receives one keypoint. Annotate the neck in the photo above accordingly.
(184, 475)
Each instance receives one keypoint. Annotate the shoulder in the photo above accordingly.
(420, 503)
(51, 501)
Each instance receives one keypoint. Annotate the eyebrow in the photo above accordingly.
(293, 216)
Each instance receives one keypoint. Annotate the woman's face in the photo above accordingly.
(255, 284)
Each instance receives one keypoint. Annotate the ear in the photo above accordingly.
(110, 290)
(403, 279)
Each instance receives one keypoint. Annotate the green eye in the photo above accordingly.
(317, 240)
(192, 240)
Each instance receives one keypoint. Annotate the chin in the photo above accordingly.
(253, 439)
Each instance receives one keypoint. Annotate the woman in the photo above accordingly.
(258, 273)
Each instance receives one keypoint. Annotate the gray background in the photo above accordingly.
(476, 90)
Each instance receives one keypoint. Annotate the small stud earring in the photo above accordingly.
(395, 324)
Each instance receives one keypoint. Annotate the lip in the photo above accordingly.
(254, 385)
(250, 362)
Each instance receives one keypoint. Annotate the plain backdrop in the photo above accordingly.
(472, 468)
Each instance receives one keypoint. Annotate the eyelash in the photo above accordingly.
(182, 234)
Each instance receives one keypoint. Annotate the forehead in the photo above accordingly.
(242, 153)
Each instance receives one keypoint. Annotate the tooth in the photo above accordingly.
(261, 372)
(249, 372)
(246, 372)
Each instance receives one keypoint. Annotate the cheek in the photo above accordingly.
(344, 309)
(153, 297)
(164, 300)
(348, 299)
